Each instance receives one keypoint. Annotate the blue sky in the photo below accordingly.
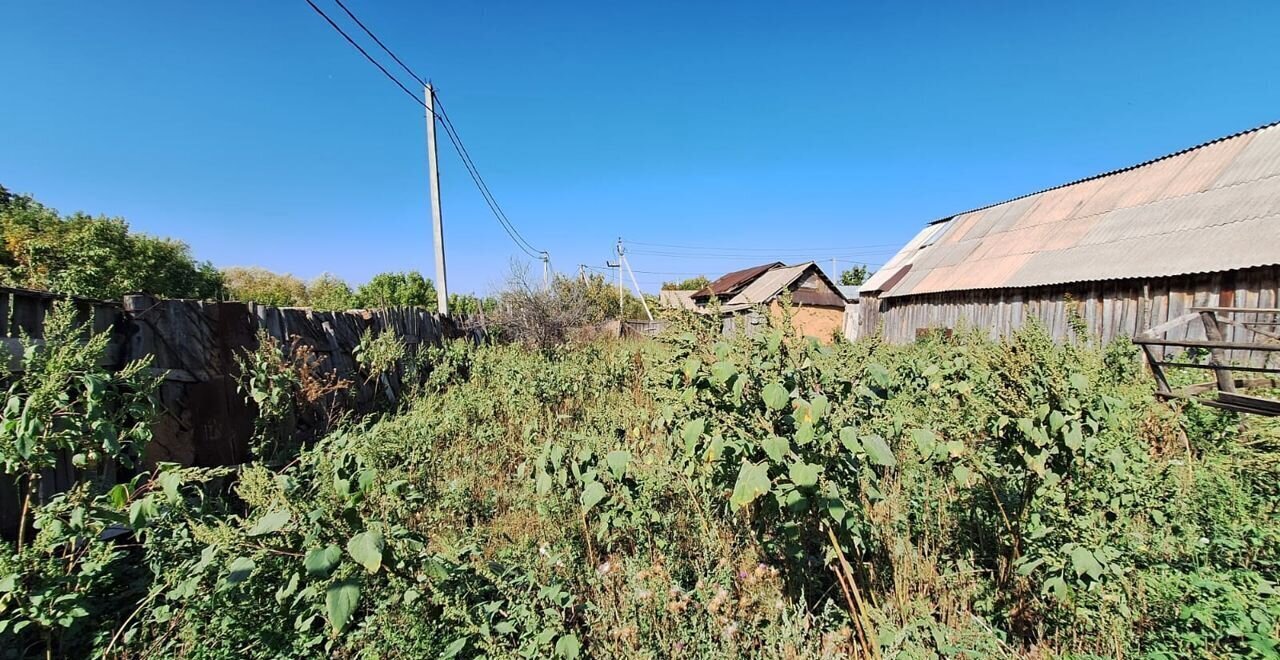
(251, 131)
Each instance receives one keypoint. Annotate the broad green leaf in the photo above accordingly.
(1079, 382)
(925, 441)
(753, 481)
(777, 448)
(591, 495)
(963, 475)
(340, 602)
(1057, 586)
(692, 431)
(804, 475)
(320, 561)
(691, 367)
(169, 483)
(272, 522)
(568, 647)
(721, 372)
(454, 648)
(1084, 562)
(1056, 421)
(819, 407)
(849, 438)
(804, 434)
(239, 569)
(366, 548)
(617, 462)
(1073, 438)
(879, 375)
(775, 396)
(878, 450)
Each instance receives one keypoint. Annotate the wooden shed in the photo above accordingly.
(1112, 254)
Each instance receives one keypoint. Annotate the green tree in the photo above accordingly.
(691, 284)
(96, 257)
(329, 292)
(262, 286)
(854, 276)
(407, 289)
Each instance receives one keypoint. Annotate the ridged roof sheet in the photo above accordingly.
(1215, 207)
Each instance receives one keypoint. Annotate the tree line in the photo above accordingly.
(100, 257)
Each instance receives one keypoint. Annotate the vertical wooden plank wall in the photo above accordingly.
(1112, 309)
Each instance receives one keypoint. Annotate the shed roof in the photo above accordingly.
(773, 282)
(677, 298)
(731, 283)
(1210, 208)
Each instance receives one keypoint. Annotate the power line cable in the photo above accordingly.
(381, 45)
(450, 131)
(752, 249)
(367, 56)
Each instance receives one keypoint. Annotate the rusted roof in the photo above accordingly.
(1210, 208)
(772, 283)
(731, 283)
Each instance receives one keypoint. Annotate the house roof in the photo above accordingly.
(772, 283)
(677, 298)
(731, 283)
(1214, 207)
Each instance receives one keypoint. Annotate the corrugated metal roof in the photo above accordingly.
(1210, 208)
(731, 283)
(677, 299)
(768, 285)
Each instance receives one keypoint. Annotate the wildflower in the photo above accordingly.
(603, 570)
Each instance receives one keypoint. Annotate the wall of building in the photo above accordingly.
(814, 321)
(1118, 308)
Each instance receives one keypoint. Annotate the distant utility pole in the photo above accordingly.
(437, 225)
(582, 273)
(546, 271)
(622, 261)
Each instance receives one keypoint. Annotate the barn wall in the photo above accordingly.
(814, 321)
(1117, 308)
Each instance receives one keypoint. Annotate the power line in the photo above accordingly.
(492, 202)
(382, 45)
(367, 56)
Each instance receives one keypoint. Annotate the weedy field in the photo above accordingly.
(690, 497)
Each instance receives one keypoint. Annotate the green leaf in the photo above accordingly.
(239, 570)
(963, 475)
(804, 475)
(454, 648)
(366, 548)
(1084, 562)
(568, 646)
(776, 448)
(879, 375)
(692, 431)
(1056, 421)
(591, 495)
(1073, 438)
(1079, 382)
(340, 602)
(169, 483)
(819, 407)
(849, 438)
(721, 372)
(775, 396)
(617, 462)
(272, 522)
(753, 481)
(878, 450)
(320, 561)
(925, 441)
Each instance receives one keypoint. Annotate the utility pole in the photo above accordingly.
(640, 294)
(437, 225)
(546, 271)
(582, 273)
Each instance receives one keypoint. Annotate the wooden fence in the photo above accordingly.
(204, 420)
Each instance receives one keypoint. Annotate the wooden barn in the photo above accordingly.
(1121, 252)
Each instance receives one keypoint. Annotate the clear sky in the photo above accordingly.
(252, 131)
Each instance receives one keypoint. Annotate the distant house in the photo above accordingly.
(819, 307)
(1111, 255)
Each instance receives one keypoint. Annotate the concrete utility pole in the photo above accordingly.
(640, 294)
(546, 271)
(437, 225)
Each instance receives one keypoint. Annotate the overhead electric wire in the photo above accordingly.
(367, 56)
(381, 45)
(520, 241)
